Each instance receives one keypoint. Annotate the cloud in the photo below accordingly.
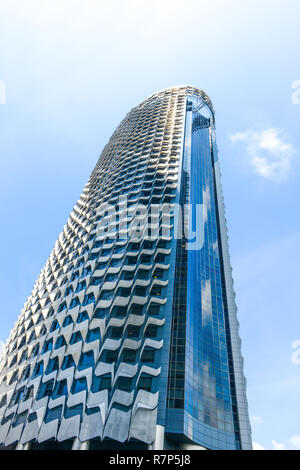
(269, 151)
(257, 446)
(257, 419)
(295, 441)
(278, 445)
(295, 358)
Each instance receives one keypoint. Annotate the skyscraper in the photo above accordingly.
(129, 339)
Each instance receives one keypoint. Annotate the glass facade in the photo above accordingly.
(199, 378)
(130, 336)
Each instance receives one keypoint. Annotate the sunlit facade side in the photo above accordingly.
(129, 339)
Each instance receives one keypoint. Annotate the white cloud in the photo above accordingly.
(295, 358)
(269, 151)
(257, 446)
(257, 419)
(295, 441)
(278, 445)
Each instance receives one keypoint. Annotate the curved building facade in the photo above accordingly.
(129, 339)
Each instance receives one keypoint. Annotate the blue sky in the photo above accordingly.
(73, 69)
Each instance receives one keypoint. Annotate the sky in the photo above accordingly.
(71, 70)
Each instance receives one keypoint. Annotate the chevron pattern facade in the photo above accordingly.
(88, 358)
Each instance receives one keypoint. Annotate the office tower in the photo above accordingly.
(129, 339)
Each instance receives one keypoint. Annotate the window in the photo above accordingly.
(38, 370)
(145, 259)
(111, 356)
(147, 245)
(25, 373)
(22, 342)
(14, 360)
(140, 291)
(76, 337)
(100, 312)
(115, 263)
(96, 281)
(61, 388)
(32, 417)
(131, 260)
(101, 383)
(145, 383)
(58, 295)
(60, 342)
(73, 410)
(62, 307)
(86, 360)
(6, 419)
(158, 274)
(35, 350)
(69, 290)
(124, 383)
(162, 244)
(111, 277)
(45, 389)
(80, 263)
(32, 337)
(79, 385)
(129, 355)
(87, 270)
(115, 332)
(82, 317)
(67, 321)
(143, 274)
(137, 309)
(93, 335)
(118, 311)
(23, 356)
(81, 286)
(123, 292)
(17, 396)
(106, 294)
(3, 401)
(151, 331)
(53, 365)
(68, 362)
(156, 291)
(53, 413)
(133, 331)
(148, 355)
(51, 312)
(153, 310)
(74, 302)
(47, 346)
(43, 331)
(29, 393)
(128, 275)
(89, 298)
(133, 246)
(20, 418)
(101, 266)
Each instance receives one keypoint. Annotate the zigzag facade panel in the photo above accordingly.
(93, 354)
